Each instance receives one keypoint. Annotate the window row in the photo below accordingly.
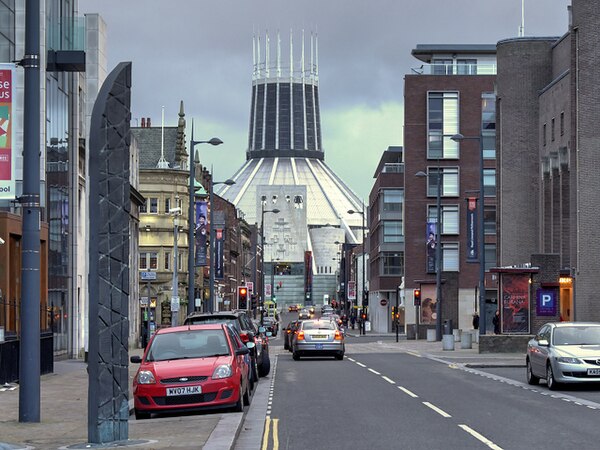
(150, 260)
(152, 205)
(448, 179)
(451, 219)
(451, 257)
(553, 129)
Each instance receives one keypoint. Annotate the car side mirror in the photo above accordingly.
(269, 334)
(250, 344)
(543, 343)
(242, 351)
(261, 329)
(135, 359)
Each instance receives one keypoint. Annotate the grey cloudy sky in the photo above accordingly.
(200, 51)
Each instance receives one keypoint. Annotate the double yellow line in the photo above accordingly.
(265, 443)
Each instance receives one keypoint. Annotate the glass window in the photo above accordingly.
(392, 231)
(489, 182)
(562, 123)
(144, 207)
(442, 66)
(489, 220)
(552, 126)
(153, 263)
(450, 218)
(466, 67)
(392, 264)
(167, 205)
(167, 260)
(450, 261)
(490, 256)
(393, 200)
(442, 124)
(143, 261)
(544, 135)
(154, 205)
(489, 144)
(449, 187)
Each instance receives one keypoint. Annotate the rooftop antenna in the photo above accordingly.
(278, 55)
(302, 58)
(312, 51)
(522, 27)
(258, 56)
(291, 54)
(317, 54)
(267, 45)
(254, 56)
(162, 162)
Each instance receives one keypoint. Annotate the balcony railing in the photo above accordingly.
(456, 69)
(66, 35)
(393, 168)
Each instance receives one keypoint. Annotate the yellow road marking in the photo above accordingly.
(265, 445)
(275, 434)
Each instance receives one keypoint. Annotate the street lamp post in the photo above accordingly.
(262, 261)
(211, 236)
(192, 219)
(481, 233)
(176, 212)
(364, 285)
(438, 254)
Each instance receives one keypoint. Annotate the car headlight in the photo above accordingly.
(145, 377)
(222, 371)
(567, 360)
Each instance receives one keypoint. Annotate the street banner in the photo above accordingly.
(268, 290)
(219, 243)
(7, 151)
(515, 304)
(472, 254)
(201, 234)
(431, 243)
(351, 290)
(428, 304)
(308, 278)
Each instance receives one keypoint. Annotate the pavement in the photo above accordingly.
(63, 405)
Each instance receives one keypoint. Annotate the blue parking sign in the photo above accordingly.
(546, 302)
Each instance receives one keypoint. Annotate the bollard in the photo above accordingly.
(457, 332)
(466, 341)
(448, 342)
(430, 335)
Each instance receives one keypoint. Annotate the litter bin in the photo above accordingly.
(431, 335)
(411, 331)
(447, 326)
(457, 333)
(448, 342)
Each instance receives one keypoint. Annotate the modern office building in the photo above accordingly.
(285, 170)
(548, 140)
(450, 92)
(386, 241)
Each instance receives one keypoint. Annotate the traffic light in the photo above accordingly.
(242, 297)
(365, 301)
(393, 312)
(254, 301)
(417, 297)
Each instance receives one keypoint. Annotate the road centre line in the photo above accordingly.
(481, 438)
(351, 359)
(360, 364)
(388, 380)
(437, 410)
(406, 391)
(374, 371)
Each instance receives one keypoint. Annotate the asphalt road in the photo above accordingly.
(398, 400)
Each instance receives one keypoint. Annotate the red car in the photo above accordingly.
(192, 367)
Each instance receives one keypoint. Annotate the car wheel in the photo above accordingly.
(552, 384)
(339, 356)
(141, 415)
(295, 356)
(265, 367)
(239, 405)
(531, 378)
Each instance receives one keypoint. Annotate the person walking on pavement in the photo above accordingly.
(496, 322)
(352, 320)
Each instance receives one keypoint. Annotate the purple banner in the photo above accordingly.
(219, 242)
(201, 234)
(472, 254)
(431, 233)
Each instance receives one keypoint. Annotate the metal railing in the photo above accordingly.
(456, 69)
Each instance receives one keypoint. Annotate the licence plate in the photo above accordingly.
(184, 390)
(319, 346)
(593, 372)
(319, 336)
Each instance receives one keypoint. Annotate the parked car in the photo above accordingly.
(243, 324)
(288, 333)
(564, 352)
(318, 338)
(192, 367)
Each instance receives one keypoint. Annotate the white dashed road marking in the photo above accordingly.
(360, 364)
(406, 391)
(388, 380)
(374, 371)
(437, 410)
(478, 436)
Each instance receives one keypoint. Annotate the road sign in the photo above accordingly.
(174, 304)
(250, 286)
(147, 276)
(383, 302)
(351, 290)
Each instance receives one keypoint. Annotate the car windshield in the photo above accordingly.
(188, 344)
(319, 325)
(213, 319)
(577, 335)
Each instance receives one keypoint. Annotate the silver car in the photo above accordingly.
(318, 337)
(564, 352)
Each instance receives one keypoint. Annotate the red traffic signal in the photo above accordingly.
(242, 297)
(417, 297)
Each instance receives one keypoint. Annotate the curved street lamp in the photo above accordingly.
(364, 281)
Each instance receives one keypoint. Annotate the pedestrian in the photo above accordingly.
(496, 322)
(352, 320)
(475, 321)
